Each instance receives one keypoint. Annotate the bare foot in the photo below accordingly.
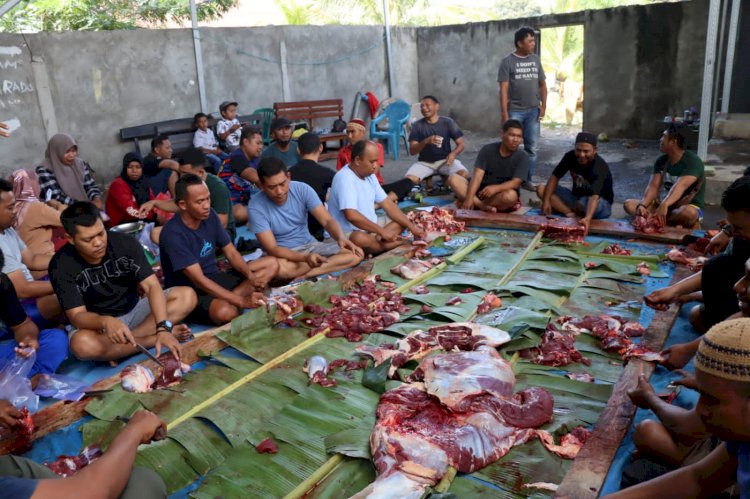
(570, 215)
(182, 332)
(489, 209)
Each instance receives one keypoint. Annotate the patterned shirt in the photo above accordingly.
(50, 189)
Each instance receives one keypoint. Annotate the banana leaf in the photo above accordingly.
(345, 480)
(511, 315)
(352, 442)
(383, 268)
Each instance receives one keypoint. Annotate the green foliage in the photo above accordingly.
(104, 15)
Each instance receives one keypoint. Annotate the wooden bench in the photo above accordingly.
(311, 110)
(180, 132)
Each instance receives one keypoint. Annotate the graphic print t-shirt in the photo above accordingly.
(107, 288)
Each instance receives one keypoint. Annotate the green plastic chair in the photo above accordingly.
(268, 116)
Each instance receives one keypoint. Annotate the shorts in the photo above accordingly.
(326, 247)
(603, 209)
(132, 319)
(229, 280)
(422, 169)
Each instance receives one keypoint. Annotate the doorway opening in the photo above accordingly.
(561, 51)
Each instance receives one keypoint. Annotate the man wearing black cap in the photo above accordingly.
(592, 194)
(282, 147)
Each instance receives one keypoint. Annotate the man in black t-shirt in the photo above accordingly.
(592, 194)
(159, 169)
(310, 172)
(499, 170)
(97, 277)
(50, 345)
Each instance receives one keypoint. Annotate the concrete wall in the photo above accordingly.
(93, 84)
(739, 100)
(640, 64)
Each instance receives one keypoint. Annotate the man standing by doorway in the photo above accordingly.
(523, 93)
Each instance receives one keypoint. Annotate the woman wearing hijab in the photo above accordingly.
(34, 221)
(64, 177)
(128, 192)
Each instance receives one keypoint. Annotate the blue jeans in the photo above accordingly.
(529, 119)
(53, 349)
(215, 160)
(603, 209)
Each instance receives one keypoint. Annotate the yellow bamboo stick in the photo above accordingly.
(262, 369)
(318, 475)
(446, 481)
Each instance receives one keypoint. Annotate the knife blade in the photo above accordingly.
(148, 354)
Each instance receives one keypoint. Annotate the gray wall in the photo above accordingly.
(97, 83)
(641, 63)
(739, 100)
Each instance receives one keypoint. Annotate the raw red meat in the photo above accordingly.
(267, 446)
(490, 302)
(570, 443)
(556, 349)
(464, 336)
(436, 220)
(648, 225)
(65, 466)
(24, 429)
(564, 230)
(425, 309)
(420, 290)
(679, 256)
(585, 377)
(367, 308)
(348, 365)
(455, 300)
(614, 333)
(172, 372)
(616, 249)
(418, 435)
(590, 265)
(317, 370)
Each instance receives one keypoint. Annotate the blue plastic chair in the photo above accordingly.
(398, 113)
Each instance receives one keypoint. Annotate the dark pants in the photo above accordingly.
(400, 187)
(228, 280)
(142, 484)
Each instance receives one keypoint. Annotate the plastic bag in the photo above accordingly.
(60, 387)
(15, 386)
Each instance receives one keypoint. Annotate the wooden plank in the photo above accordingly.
(622, 229)
(586, 475)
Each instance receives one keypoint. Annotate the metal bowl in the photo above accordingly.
(129, 228)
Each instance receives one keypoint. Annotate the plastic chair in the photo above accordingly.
(397, 114)
(268, 116)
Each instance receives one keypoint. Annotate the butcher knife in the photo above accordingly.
(148, 354)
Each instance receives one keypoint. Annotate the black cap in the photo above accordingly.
(280, 123)
(587, 138)
(224, 105)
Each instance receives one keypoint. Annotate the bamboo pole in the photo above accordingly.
(318, 475)
(261, 370)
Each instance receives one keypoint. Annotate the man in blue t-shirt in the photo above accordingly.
(278, 217)
(188, 246)
(112, 475)
(722, 376)
(354, 194)
(430, 138)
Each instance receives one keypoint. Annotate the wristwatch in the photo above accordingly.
(166, 325)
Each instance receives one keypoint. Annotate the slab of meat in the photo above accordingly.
(556, 349)
(140, 379)
(436, 220)
(367, 308)
(267, 446)
(172, 372)
(614, 333)
(693, 263)
(564, 230)
(65, 466)
(616, 249)
(411, 269)
(136, 378)
(648, 225)
(570, 443)
(643, 268)
(417, 436)
(420, 290)
(461, 336)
